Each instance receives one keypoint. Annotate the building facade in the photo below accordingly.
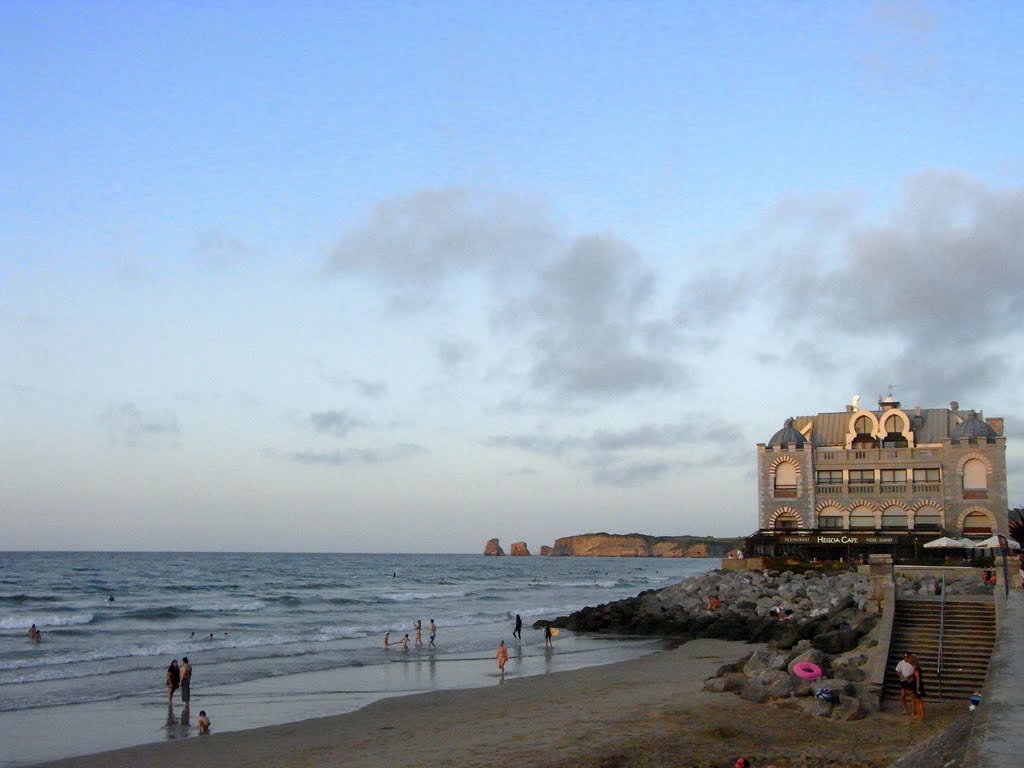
(876, 475)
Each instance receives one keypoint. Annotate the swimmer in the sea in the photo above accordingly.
(203, 722)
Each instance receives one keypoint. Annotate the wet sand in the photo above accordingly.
(644, 712)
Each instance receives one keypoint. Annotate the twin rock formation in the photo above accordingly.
(628, 545)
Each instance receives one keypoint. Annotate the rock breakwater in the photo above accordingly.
(757, 606)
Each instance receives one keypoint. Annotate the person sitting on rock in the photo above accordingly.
(714, 603)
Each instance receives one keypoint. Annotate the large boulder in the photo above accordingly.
(836, 642)
(519, 549)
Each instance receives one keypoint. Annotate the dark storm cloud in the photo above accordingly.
(354, 456)
(334, 423)
(929, 295)
(125, 424)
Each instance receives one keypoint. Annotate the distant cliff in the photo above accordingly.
(640, 545)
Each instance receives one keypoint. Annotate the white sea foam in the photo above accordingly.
(24, 622)
(408, 597)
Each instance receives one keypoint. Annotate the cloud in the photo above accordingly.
(370, 389)
(218, 250)
(334, 423)
(354, 456)
(451, 354)
(928, 295)
(414, 244)
(126, 425)
(614, 457)
(593, 324)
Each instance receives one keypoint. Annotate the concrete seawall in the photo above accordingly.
(999, 721)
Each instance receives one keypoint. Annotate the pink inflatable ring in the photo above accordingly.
(807, 671)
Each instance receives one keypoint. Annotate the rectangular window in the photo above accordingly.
(830, 522)
(830, 477)
(926, 475)
(862, 476)
(894, 475)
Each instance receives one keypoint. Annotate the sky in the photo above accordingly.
(403, 277)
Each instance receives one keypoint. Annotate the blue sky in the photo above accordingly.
(405, 277)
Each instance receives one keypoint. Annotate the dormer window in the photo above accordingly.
(863, 426)
(894, 433)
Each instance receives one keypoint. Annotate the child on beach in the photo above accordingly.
(204, 723)
(387, 639)
(418, 626)
(405, 642)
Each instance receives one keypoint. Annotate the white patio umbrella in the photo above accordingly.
(992, 542)
(944, 543)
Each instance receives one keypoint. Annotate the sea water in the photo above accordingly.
(278, 637)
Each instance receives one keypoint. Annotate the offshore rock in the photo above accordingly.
(546, 551)
(519, 549)
(492, 547)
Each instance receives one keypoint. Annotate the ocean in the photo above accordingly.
(276, 637)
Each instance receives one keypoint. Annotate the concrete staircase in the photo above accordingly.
(969, 633)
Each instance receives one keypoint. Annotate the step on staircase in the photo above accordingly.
(969, 632)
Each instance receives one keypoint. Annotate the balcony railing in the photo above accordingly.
(885, 489)
(846, 455)
(785, 491)
(975, 493)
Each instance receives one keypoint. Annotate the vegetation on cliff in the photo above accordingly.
(641, 545)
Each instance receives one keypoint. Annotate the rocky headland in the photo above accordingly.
(625, 545)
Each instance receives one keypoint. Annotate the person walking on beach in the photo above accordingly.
(186, 680)
(418, 626)
(502, 657)
(548, 641)
(917, 692)
(173, 680)
(906, 672)
(517, 633)
(433, 632)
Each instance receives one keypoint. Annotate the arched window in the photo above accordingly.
(894, 517)
(927, 519)
(787, 520)
(785, 481)
(894, 433)
(863, 426)
(975, 477)
(975, 480)
(977, 523)
(830, 517)
(862, 517)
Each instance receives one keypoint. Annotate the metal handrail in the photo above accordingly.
(942, 631)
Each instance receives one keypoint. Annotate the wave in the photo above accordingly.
(408, 597)
(158, 613)
(24, 622)
(21, 599)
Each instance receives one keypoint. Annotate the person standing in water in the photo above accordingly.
(517, 633)
(418, 626)
(186, 681)
(173, 679)
(502, 657)
(405, 642)
(387, 639)
(433, 632)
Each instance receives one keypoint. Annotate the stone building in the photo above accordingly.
(874, 476)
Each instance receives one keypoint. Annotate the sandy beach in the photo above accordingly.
(644, 712)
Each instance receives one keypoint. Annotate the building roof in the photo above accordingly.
(972, 428)
(787, 436)
(930, 425)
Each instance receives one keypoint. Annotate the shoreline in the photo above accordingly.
(632, 711)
